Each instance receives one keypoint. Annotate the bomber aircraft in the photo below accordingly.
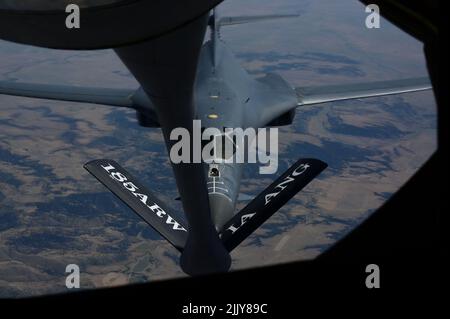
(184, 78)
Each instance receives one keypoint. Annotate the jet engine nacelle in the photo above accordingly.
(284, 119)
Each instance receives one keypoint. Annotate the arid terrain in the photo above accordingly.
(53, 213)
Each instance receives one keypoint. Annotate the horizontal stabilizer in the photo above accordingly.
(323, 94)
(139, 199)
(225, 21)
(270, 201)
(105, 96)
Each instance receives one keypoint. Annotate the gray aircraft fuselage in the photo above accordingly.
(226, 96)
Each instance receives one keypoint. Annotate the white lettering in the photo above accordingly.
(229, 145)
(244, 219)
(302, 167)
(73, 19)
(176, 226)
(180, 151)
(373, 279)
(373, 19)
(108, 168)
(119, 177)
(132, 188)
(73, 280)
(157, 210)
(297, 172)
(142, 197)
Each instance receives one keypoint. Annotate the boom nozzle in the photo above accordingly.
(201, 258)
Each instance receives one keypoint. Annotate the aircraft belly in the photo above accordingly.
(223, 182)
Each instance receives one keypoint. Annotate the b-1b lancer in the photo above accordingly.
(183, 78)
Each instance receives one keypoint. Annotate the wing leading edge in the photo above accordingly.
(226, 21)
(104, 96)
(324, 94)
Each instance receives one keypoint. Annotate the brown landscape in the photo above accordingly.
(53, 213)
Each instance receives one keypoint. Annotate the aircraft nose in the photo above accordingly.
(222, 210)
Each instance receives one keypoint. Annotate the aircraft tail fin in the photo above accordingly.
(139, 199)
(225, 21)
(269, 201)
